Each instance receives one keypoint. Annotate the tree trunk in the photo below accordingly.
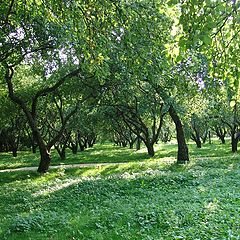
(198, 142)
(150, 149)
(34, 144)
(34, 148)
(45, 160)
(221, 133)
(45, 153)
(222, 139)
(204, 137)
(74, 149)
(63, 154)
(234, 142)
(209, 137)
(138, 144)
(183, 155)
(81, 147)
(14, 152)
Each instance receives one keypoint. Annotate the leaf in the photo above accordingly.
(207, 39)
(179, 58)
(232, 103)
(38, 2)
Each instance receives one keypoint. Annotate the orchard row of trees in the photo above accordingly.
(127, 71)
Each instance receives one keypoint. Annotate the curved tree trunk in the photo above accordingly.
(44, 161)
(45, 153)
(183, 155)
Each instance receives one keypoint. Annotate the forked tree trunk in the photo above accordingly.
(183, 155)
(31, 114)
(221, 133)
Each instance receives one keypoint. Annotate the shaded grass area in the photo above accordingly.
(105, 153)
(157, 199)
(100, 153)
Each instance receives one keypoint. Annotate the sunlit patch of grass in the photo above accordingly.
(102, 153)
(143, 198)
(155, 199)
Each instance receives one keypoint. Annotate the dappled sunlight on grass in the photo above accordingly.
(108, 153)
(211, 206)
(58, 185)
(154, 198)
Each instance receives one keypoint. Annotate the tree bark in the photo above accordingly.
(234, 142)
(150, 149)
(34, 148)
(183, 155)
(222, 139)
(31, 114)
(14, 152)
(209, 137)
(198, 142)
(138, 144)
(44, 161)
(221, 133)
(74, 149)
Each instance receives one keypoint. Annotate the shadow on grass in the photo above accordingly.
(107, 153)
(8, 177)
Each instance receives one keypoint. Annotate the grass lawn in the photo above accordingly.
(108, 153)
(146, 198)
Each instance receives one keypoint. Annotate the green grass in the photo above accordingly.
(108, 153)
(146, 198)
(99, 154)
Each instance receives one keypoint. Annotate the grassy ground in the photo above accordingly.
(146, 198)
(109, 153)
